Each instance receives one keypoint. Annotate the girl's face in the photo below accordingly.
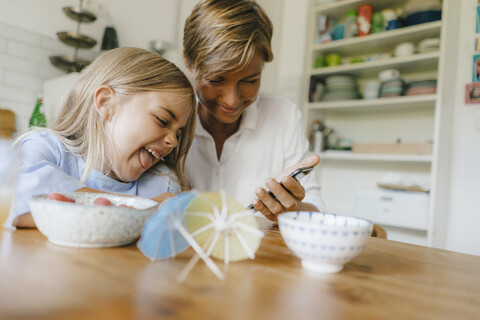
(143, 129)
(224, 99)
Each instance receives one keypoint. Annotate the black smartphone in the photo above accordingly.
(297, 175)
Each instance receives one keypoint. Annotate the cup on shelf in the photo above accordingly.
(404, 49)
(388, 74)
(371, 89)
(333, 59)
(320, 61)
(390, 19)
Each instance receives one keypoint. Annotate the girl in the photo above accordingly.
(243, 137)
(125, 128)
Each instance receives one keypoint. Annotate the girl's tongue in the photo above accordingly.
(146, 158)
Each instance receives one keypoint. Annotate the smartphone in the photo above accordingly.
(297, 175)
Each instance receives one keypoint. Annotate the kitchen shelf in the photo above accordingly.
(392, 103)
(415, 63)
(350, 156)
(383, 41)
(338, 8)
(408, 118)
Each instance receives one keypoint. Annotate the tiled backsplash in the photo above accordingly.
(24, 66)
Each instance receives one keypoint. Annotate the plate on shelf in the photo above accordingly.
(76, 39)
(79, 15)
(68, 63)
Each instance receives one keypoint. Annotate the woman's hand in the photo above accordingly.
(290, 200)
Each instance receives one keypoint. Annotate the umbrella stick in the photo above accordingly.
(188, 268)
(227, 247)
(201, 253)
(244, 244)
(172, 245)
(159, 245)
(192, 262)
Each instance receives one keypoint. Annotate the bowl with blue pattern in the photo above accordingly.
(324, 241)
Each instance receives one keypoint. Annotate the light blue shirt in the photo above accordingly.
(48, 166)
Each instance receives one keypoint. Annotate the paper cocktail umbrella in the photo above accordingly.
(223, 227)
(164, 234)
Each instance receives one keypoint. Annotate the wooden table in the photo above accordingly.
(388, 280)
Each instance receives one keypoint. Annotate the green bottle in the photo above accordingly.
(38, 117)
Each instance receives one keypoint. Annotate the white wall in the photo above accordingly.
(464, 219)
(136, 22)
(28, 37)
(24, 66)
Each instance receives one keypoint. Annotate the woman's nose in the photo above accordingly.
(231, 96)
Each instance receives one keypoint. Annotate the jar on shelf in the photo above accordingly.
(378, 22)
(390, 19)
(364, 19)
(317, 139)
(351, 28)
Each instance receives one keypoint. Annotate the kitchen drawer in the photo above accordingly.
(395, 208)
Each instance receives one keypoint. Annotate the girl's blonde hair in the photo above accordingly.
(223, 35)
(127, 71)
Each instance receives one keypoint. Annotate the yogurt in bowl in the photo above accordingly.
(84, 224)
(324, 241)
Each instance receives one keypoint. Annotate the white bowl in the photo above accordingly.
(404, 49)
(388, 74)
(83, 224)
(324, 241)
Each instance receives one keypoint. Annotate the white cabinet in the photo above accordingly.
(412, 119)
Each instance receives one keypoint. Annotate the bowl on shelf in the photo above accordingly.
(324, 241)
(422, 17)
(83, 224)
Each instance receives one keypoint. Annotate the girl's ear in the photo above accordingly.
(102, 98)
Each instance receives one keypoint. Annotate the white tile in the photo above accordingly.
(49, 71)
(3, 44)
(54, 45)
(18, 94)
(20, 80)
(26, 51)
(18, 34)
(9, 62)
(22, 122)
(20, 109)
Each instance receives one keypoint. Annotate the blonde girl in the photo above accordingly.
(125, 128)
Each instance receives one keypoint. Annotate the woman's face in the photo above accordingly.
(225, 98)
(143, 129)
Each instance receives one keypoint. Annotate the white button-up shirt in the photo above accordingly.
(270, 139)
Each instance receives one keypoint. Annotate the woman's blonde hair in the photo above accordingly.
(223, 35)
(127, 71)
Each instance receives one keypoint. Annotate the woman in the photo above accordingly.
(243, 137)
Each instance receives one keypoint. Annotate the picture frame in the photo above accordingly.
(477, 18)
(476, 68)
(472, 93)
(476, 43)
